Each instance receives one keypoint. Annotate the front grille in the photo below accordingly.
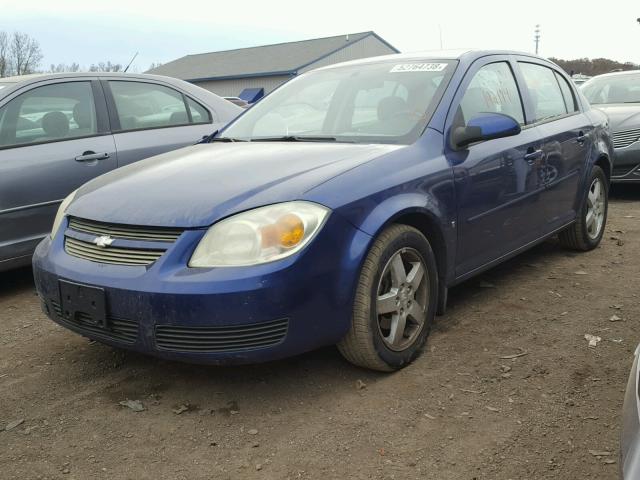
(625, 138)
(221, 339)
(118, 328)
(112, 255)
(129, 232)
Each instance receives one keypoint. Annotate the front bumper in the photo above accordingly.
(626, 165)
(630, 438)
(218, 315)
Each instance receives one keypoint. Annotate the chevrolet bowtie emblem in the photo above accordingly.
(103, 241)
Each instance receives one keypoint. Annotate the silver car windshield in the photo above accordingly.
(613, 89)
(386, 102)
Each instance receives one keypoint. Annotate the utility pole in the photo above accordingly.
(536, 38)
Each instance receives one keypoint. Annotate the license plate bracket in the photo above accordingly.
(83, 303)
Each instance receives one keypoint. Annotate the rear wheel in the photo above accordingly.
(395, 301)
(586, 233)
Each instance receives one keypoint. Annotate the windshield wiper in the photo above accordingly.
(294, 138)
(213, 138)
(226, 139)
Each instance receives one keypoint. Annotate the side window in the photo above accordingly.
(567, 93)
(147, 105)
(493, 89)
(49, 113)
(544, 91)
(199, 114)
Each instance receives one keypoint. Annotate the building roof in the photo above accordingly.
(279, 59)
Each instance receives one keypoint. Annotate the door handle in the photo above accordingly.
(90, 156)
(581, 138)
(532, 156)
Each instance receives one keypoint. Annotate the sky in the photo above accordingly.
(89, 32)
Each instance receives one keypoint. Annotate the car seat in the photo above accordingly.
(55, 125)
(82, 115)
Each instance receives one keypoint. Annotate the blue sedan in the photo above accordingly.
(338, 210)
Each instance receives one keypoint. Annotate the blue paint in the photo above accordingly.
(481, 204)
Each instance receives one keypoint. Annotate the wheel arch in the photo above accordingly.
(604, 163)
(427, 224)
(422, 213)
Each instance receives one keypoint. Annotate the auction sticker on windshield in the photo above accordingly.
(419, 67)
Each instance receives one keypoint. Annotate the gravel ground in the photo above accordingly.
(461, 411)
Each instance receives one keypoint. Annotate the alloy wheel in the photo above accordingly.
(595, 208)
(402, 299)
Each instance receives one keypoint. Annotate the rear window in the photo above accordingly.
(143, 106)
(544, 90)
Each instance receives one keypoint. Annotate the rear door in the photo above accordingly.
(566, 132)
(149, 118)
(498, 182)
(54, 136)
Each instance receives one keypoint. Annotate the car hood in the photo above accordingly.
(198, 185)
(622, 116)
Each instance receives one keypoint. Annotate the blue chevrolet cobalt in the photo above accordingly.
(338, 210)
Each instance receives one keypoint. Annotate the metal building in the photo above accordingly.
(256, 71)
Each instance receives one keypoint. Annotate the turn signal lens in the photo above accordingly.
(291, 229)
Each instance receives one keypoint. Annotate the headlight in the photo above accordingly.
(259, 236)
(61, 212)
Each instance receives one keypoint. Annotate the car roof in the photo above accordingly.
(51, 76)
(467, 55)
(616, 74)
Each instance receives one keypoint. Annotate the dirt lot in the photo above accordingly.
(459, 412)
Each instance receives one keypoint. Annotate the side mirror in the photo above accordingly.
(485, 126)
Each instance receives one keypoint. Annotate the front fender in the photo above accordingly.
(394, 207)
(414, 208)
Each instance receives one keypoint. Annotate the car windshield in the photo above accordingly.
(387, 102)
(613, 89)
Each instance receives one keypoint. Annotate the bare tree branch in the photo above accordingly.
(105, 67)
(25, 53)
(5, 67)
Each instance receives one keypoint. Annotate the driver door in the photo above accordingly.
(498, 182)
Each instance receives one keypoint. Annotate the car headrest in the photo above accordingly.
(178, 118)
(55, 124)
(82, 114)
(390, 106)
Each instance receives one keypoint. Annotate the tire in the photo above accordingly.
(587, 231)
(382, 341)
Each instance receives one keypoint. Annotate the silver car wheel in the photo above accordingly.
(402, 299)
(595, 208)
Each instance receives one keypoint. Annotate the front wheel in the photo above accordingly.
(395, 301)
(586, 233)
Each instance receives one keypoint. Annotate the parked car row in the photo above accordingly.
(59, 131)
(337, 210)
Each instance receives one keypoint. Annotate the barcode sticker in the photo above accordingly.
(419, 67)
